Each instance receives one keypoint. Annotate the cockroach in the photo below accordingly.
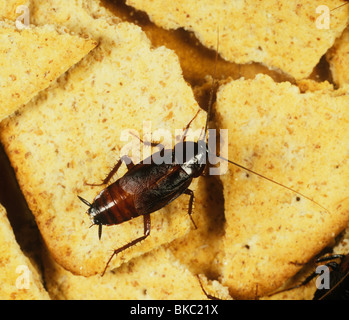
(147, 186)
(338, 279)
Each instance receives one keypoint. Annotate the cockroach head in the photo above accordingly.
(93, 213)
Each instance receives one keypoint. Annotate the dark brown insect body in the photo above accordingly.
(148, 186)
(145, 188)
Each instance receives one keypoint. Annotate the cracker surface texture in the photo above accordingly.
(306, 292)
(19, 279)
(295, 139)
(156, 275)
(78, 17)
(282, 35)
(76, 131)
(8, 8)
(338, 58)
(30, 59)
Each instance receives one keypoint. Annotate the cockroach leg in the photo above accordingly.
(191, 201)
(147, 227)
(128, 163)
(152, 144)
(303, 283)
(209, 296)
(332, 264)
(331, 257)
(100, 231)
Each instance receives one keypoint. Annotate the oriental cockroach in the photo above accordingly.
(148, 186)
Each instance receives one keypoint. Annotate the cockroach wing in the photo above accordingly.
(154, 186)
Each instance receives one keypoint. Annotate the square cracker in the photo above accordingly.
(301, 141)
(280, 34)
(72, 134)
(38, 55)
(18, 277)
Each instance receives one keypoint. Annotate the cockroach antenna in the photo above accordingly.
(273, 181)
(209, 109)
(342, 5)
(210, 101)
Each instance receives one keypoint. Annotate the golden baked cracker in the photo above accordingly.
(338, 58)
(297, 139)
(156, 275)
(289, 289)
(282, 35)
(342, 247)
(75, 133)
(37, 56)
(305, 85)
(8, 8)
(78, 17)
(18, 277)
(305, 292)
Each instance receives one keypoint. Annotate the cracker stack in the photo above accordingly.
(253, 234)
